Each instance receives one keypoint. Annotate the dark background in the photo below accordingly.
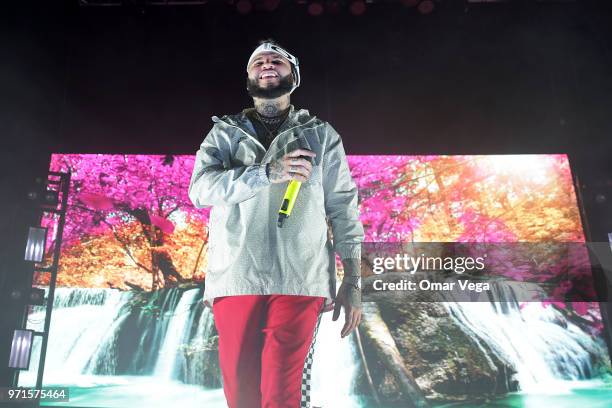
(508, 78)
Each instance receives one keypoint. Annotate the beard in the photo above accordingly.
(284, 86)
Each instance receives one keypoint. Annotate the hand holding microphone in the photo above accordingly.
(296, 167)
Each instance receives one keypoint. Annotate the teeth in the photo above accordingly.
(268, 74)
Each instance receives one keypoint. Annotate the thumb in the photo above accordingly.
(329, 307)
(336, 311)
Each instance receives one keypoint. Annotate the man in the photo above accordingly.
(269, 284)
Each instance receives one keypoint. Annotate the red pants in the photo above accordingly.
(263, 343)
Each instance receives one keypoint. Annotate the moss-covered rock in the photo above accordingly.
(447, 363)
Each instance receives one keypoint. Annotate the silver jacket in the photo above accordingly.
(247, 252)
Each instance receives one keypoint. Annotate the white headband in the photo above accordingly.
(269, 47)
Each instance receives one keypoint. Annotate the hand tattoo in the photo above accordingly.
(352, 274)
(351, 266)
(353, 295)
(275, 170)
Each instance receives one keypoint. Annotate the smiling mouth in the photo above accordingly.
(268, 74)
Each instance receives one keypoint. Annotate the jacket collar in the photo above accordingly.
(294, 118)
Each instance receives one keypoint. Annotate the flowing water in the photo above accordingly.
(92, 329)
(82, 353)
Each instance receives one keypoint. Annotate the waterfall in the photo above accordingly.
(87, 324)
(334, 366)
(544, 348)
(144, 333)
(176, 333)
(202, 367)
(91, 329)
(81, 322)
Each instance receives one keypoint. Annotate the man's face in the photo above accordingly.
(269, 76)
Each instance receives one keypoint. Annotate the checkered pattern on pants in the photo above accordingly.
(307, 371)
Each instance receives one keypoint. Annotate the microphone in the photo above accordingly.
(290, 197)
(288, 201)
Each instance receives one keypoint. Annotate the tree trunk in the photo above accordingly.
(386, 350)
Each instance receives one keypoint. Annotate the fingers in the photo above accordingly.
(301, 152)
(299, 162)
(296, 165)
(299, 166)
(299, 171)
(298, 177)
(351, 321)
(348, 322)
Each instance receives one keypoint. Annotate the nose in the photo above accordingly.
(267, 64)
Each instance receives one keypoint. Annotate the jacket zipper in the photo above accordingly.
(274, 140)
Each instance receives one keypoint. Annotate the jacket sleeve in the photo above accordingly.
(341, 199)
(215, 182)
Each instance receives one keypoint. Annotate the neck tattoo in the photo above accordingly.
(270, 110)
(271, 107)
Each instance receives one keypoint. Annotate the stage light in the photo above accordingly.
(16, 294)
(35, 247)
(244, 6)
(425, 7)
(315, 9)
(357, 8)
(600, 198)
(51, 198)
(42, 195)
(37, 297)
(37, 190)
(21, 349)
(271, 5)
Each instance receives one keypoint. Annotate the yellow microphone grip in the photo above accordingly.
(288, 201)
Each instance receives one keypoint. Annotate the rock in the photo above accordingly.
(446, 363)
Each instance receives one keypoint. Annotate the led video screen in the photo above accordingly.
(129, 327)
